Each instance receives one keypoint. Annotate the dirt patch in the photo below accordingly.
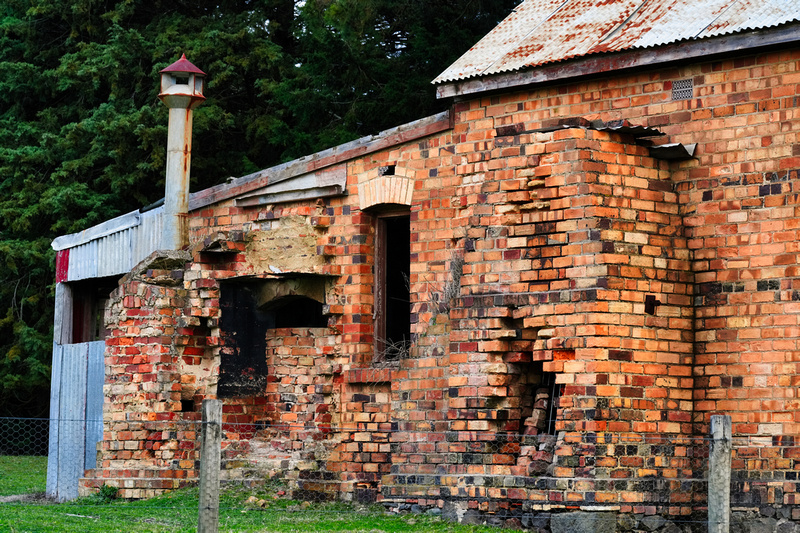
(37, 498)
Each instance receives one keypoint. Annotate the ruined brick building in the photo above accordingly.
(598, 240)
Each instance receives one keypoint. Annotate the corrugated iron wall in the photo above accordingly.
(76, 415)
(78, 370)
(116, 253)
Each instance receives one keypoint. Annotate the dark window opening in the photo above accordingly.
(554, 391)
(540, 406)
(181, 80)
(243, 360)
(392, 292)
(298, 312)
(248, 309)
(388, 170)
(187, 406)
(89, 301)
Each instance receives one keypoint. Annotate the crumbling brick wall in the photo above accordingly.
(651, 293)
(149, 444)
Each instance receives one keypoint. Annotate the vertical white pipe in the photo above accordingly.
(175, 232)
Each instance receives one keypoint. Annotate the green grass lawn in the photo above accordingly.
(22, 474)
(177, 511)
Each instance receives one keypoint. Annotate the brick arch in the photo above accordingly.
(381, 187)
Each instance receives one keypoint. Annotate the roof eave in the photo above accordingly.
(318, 175)
(324, 159)
(637, 58)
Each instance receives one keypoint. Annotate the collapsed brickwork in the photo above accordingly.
(578, 310)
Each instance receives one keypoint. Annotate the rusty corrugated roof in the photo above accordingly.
(539, 32)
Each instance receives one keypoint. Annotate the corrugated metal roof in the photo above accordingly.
(539, 32)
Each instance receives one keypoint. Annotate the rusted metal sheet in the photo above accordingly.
(787, 35)
(540, 32)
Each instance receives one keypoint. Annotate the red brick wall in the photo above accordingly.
(564, 235)
(149, 444)
(736, 201)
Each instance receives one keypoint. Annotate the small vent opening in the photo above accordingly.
(682, 89)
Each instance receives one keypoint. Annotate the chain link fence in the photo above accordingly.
(145, 473)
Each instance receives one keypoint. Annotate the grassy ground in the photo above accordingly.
(257, 510)
(22, 475)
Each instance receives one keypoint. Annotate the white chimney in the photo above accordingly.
(181, 91)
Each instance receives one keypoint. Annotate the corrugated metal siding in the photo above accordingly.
(148, 239)
(95, 379)
(539, 32)
(76, 415)
(51, 487)
(118, 252)
(78, 371)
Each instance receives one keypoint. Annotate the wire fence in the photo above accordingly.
(273, 474)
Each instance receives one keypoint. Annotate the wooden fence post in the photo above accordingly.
(719, 475)
(210, 451)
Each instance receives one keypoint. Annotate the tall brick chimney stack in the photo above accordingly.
(181, 92)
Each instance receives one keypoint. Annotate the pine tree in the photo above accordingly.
(83, 135)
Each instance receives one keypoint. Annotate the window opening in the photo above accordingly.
(554, 391)
(392, 291)
(248, 309)
(298, 312)
(243, 361)
(89, 301)
(541, 402)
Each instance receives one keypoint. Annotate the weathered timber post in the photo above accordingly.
(210, 451)
(719, 475)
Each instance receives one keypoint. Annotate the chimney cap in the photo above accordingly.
(184, 65)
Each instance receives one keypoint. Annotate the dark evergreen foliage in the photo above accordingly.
(83, 135)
